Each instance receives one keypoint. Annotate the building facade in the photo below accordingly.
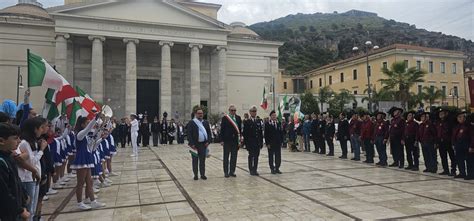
(444, 70)
(162, 56)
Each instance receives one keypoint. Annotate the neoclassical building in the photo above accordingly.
(137, 56)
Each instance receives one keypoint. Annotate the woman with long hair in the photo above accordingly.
(31, 150)
(84, 161)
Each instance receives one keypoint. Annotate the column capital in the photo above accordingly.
(64, 35)
(222, 47)
(192, 45)
(93, 37)
(169, 43)
(134, 40)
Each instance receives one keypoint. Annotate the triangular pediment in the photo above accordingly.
(143, 11)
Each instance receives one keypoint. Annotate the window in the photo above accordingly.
(355, 92)
(455, 89)
(369, 69)
(354, 74)
(311, 84)
(430, 67)
(454, 68)
(320, 82)
(342, 77)
(420, 89)
(443, 88)
(384, 65)
(432, 87)
(285, 86)
(443, 67)
(418, 65)
(330, 80)
(406, 63)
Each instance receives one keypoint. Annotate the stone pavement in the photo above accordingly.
(158, 185)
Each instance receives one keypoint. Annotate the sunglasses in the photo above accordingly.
(232, 110)
(253, 111)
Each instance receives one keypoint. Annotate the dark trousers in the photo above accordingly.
(413, 152)
(330, 142)
(201, 159)
(164, 138)
(230, 149)
(315, 142)
(123, 140)
(430, 156)
(170, 140)
(381, 150)
(129, 138)
(146, 140)
(343, 147)
(155, 139)
(321, 144)
(139, 138)
(254, 153)
(274, 157)
(446, 149)
(396, 149)
(369, 150)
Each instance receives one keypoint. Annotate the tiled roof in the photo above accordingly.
(26, 11)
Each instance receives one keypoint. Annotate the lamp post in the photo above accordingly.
(454, 93)
(19, 84)
(368, 44)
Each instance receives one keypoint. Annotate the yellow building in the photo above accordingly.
(444, 70)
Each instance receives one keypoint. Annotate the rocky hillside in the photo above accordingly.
(313, 40)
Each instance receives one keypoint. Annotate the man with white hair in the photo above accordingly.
(253, 139)
(231, 127)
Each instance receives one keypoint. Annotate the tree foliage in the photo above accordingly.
(309, 103)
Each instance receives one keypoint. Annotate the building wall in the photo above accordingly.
(359, 85)
(15, 39)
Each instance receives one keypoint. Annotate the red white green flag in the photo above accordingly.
(76, 111)
(87, 103)
(40, 73)
(50, 109)
(264, 103)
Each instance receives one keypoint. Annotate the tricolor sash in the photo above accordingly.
(234, 124)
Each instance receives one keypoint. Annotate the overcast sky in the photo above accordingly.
(454, 17)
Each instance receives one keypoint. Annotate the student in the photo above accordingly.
(11, 192)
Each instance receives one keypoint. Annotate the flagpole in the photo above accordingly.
(28, 67)
(273, 89)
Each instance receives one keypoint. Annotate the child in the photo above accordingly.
(11, 192)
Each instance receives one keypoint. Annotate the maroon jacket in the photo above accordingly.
(354, 127)
(443, 131)
(397, 127)
(411, 129)
(461, 133)
(426, 132)
(381, 129)
(367, 130)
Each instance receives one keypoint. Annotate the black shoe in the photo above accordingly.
(203, 177)
(196, 178)
(322, 152)
(443, 173)
(426, 171)
(256, 174)
(314, 151)
(433, 171)
(408, 167)
(460, 176)
(330, 154)
(232, 175)
(226, 175)
(343, 157)
(452, 174)
(278, 171)
(273, 172)
(382, 165)
(468, 178)
(415, 169)
(393, 165)
(401, 166)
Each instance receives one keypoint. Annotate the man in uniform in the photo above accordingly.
(461, 139)
(329, 135)
(426, 136)
(409, 140)
(444, 131)
(320, 133)
(273, 141)
(397, 127)
(230, 136)
(343, 134)
(367, 137)
(354, 131)
(253, 139)
(381, 138)
(314, 132)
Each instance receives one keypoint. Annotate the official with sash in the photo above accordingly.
(231, 127)
(253, 139)
(199, 134)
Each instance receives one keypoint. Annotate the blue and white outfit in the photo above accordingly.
(105, 148)
(55, 150)
(84, 146)
(112, 147)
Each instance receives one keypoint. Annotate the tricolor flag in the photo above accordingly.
(87, 102)
(281, 107)
(50, 109)
(193, 152)
(264, 103)
(76, 111)
(40, 73)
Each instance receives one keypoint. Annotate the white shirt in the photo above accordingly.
(34, 160)
(134, 126)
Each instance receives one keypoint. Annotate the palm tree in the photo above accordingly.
(324, 94)
(415, 99)
(431, 94)
(400, 79)
(377, 96)
(340, 99)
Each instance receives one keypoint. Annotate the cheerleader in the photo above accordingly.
(83, 162)
(113, 152)
(71, 152)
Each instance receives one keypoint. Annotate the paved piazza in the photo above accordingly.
(159, 186)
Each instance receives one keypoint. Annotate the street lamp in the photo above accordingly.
(19, 84)
(368, 44)
(454, 93)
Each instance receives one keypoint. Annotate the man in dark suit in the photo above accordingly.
(199, 134)
(343, 134)
(273, 141)
(253, 139)
(230, 136)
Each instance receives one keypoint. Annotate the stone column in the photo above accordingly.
(131, 76)
(97, 73)
(222, 55)
(195, 75)
(61, 57)
(165, 80)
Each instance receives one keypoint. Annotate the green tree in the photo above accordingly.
(309, 103)
(377, 96)
(339, 100)
(415, 100)
(324, 95)
(430, 94)
(400, 79)
(303, 29)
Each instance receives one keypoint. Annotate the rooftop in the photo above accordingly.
(26, 11)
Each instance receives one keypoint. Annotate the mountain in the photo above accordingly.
(314, 40)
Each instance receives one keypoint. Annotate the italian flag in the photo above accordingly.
(264, 103)
(50, 109)
(41, 74)
(76, 111)
(87, 103)
(193, 152)
(281, 107)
